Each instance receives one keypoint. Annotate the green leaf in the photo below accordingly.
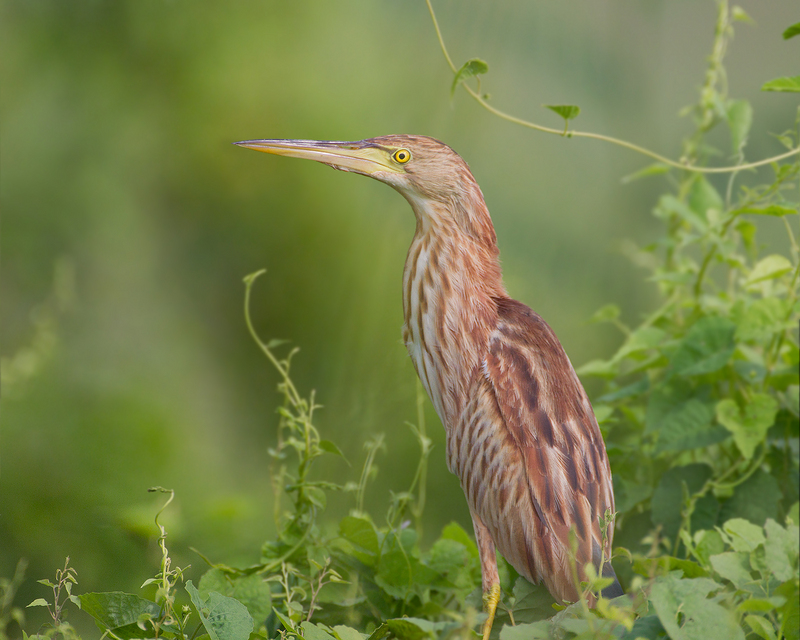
(252, 591)
(667, 500)
(315, 496)
(287, 622)
(642, 339)
(790, 611)
(787, 84)
(578, 626)
(347, 633)
(706, 512)
(381, 632)
(531, 602)
(664, 399)
(707, 543)
(761, 627)
(541, 630)
(706, 347)
(603, 413)
(566, 111)
(740, 117)
(748, 232)
(119, 612)
(786, 426)
(750, 372)
(599, 368)
(769, 268)
(755, 500)
(781, 549)
(792, 31)
(762, 320)
(668, 564)
(401, 575)
(704, 197)
(651, 170)
(360, 532)
(739, 14)
(776, 210)
(313, 632)
(447, 556)
(669, 206)
(455, 531)
(330, 447)
(733, 566)
(686, 612)
(689, 426)
(633, 389)
(629, 493)
(647, 627)
(39, 602)
(606, 313)
(224, 618)
(744, 536)
(317, 558)
(412, 629)
(794, 514)
(750, 428)
(762, 605)
(469, 69)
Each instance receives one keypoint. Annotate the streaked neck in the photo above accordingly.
(450, 283)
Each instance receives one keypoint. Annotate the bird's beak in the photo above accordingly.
(363, 157)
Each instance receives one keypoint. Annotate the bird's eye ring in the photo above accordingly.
(402, 156)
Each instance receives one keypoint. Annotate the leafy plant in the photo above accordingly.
(62, 593)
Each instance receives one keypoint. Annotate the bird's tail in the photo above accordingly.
(614, 589)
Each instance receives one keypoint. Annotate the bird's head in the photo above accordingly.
(433, 178)
(419, 167)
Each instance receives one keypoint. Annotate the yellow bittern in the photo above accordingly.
(521, 433)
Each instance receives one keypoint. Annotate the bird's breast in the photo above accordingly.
(447, 318)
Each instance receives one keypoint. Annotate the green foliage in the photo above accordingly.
(470, 69)
(792, 31)
(700, 414)
(119, 613)
(61, 589)
(787, 83)
(566, 111)
(223, 617)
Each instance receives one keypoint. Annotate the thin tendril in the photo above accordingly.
(595, 136)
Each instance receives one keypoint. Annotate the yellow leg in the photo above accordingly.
(490, 600)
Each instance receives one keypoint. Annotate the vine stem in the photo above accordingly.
(293, 393)
(588, 134)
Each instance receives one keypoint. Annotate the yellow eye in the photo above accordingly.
(402, 156)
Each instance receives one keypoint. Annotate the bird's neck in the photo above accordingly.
(451, 282)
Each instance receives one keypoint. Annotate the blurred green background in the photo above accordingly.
(130, 221)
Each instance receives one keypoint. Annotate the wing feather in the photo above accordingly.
(548, 470)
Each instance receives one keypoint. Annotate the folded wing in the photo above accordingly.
(532, 460)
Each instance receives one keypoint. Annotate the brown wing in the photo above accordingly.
(531, 437)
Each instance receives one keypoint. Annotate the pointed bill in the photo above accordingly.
(363, 157)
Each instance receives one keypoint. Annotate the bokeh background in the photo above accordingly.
(129, 221)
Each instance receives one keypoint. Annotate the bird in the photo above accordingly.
(521, 434)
